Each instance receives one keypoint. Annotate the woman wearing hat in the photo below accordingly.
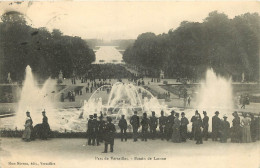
(236, 129)
(176, 136)
(245, 123)
(28, 128)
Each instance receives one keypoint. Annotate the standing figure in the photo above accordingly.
(215, 126)
(109, 137)
(95, 125)
(197, 129)
(28, 128)
(101, 127)
(45, 126)
(205, 123)
(162, 123)
(253, 127)
(145, 124)
(90, 130)
(183, 127)
(189, 99)
(236, 129)
(153, 125)
(192, 120)
(246, 134)
(176, 136)
(169, 124)
(224, 130)
(123, 127)
(135, 122)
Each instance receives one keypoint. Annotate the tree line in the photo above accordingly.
(229, 46)
(46, 52)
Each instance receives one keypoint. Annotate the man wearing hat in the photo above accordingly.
(90, 130)
(135, 122)
(224, 130)
(28, 127)
(169, 124)
(153, 125)
(45, 126)
(95, 133)
(192, 120)
(162, 124)
(205, 123)
(101, 127)
(123, 127)
(215, 126)
(183, 127)
(253, 127)
(145, 124)
(109, 138)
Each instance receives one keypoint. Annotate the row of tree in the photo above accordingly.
(229, 46)
(46, 52)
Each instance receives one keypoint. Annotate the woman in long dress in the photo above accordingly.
(28, 128)
(176, 136)
(236, 129)
(245, 123)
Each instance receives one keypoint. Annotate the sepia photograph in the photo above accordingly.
(129, 84)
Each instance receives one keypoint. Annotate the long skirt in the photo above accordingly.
(236, 134)
(246, 135)
(27, 133)
(176, 136)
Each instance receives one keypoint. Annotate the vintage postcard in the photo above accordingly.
(129, 84)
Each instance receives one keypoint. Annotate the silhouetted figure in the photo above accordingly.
(236, 129)
(153, 125)
(145, 125)
(224, 130)
(205, 123)
(198, 129)
(28, 128)
(109, 135)
(215, 126)
(45, 127)
(183, 127)
(193, 119)
(90, 130)
(135, 122)
(162, 124)
(123, 127)
(176, 135)
(169, 124)
(101, 127)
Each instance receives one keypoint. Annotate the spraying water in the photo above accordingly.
(34, 100)
(215, 94)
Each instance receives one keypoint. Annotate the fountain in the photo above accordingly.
(215, 94)
(35, 99)
(124, 99)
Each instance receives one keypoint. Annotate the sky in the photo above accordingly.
(109, 20)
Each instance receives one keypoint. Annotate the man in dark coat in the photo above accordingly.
(90, 130)
(215, 126)
(169, 124)
(153, 125)
(197, 129)
(123, 127)
(183, 127)
(145, 124)
(135, 122)
(205, 123)
(45, 126)
(162, 124)
(224, 130)
(101, 127)
(95, 135)
(109, 137)
(193, 119)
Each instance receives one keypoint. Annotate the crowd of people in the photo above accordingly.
(175, 128)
